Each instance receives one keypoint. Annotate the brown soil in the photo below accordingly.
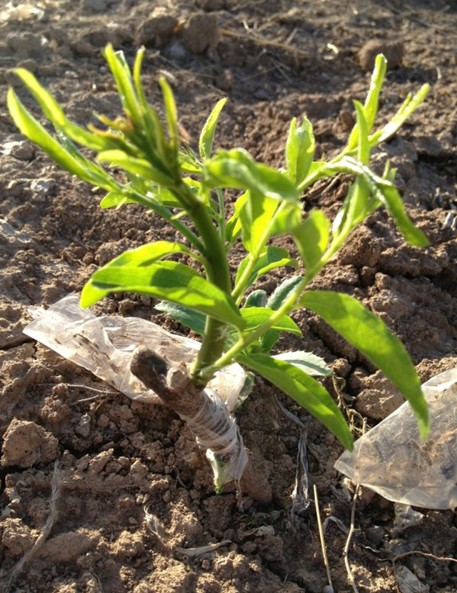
(274, 60)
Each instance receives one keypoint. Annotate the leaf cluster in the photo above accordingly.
(188, 189)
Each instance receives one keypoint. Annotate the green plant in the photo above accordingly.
(187, 189)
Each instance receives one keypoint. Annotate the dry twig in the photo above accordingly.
(56, 487)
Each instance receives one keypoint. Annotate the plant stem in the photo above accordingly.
(218, 273)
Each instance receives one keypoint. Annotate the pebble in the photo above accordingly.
(21, 150)
(83, 427)
(375, 535)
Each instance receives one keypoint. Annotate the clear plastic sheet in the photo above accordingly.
(104, 346)
(394, 461)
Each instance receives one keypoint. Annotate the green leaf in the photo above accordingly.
(286, 218)
(363, 145)
(55, 114)
(303, 389)
(273, 257)
(307, 362)
(115, 199)
(282, 292)
(171, 114)
(255, 217)
(255, 316)
(205, 144)
(237, 169)
(35, 132)
(149, 254)
(233, 226)
(124, 83)
(396, 208)
(371, 336)
(191, 319)
(136, 166)
(370, 107)
(300, 147)
(312, 237)
(257, 298)
(167, 280)
(408, 107)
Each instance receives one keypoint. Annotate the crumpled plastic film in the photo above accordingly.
(394, 461)
(218, 433)
(104, 346)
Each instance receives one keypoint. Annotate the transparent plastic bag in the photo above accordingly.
(394, 461)
(104, 346)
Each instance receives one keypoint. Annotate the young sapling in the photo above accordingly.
(188, 189)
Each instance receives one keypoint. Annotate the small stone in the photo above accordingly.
(83, 427)
(392, 50)
(157, 30)
(375, 535)
(43, 186)
(25, 444)
(201, 33)
(21, 150)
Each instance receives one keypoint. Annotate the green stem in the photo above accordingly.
(286, 308)
(217, 271)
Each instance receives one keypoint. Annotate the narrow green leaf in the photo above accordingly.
(370, 107)
(396, 208)
(167, 280)
(233, 226)
(307, 362)
(35, 132)
(303, 389)
(300, 148)
(50, 107)
(409, 106)
(148, 254)
(171, 114)
(124, 83)
(312, 237)
(191, 319)
(282, 292)
(255, 316)
(140, 167)
(205, 144)
(371, 336)
(363, 146)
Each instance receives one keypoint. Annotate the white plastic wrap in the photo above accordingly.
(104, 346)
(394, 461)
